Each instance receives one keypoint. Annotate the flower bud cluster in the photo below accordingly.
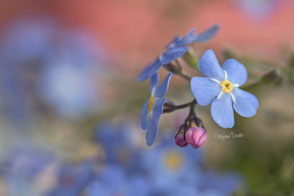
(191, 132)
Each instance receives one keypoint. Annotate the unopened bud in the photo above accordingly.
(168, 106)
(172, 68)
(180, 140)
(191, 58)
(272, 76)
(196, 136)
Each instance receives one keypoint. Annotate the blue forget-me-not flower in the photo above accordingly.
(73, 179)
(115, 180)
(220, 88)
(175, 50)
(191, 37)
(259, 9)
(153, 108)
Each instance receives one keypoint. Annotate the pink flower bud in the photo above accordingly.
(196, 136)
(180, 140)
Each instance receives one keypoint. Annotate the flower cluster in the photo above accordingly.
(124, 168)
(175, 50)
(219, 87)
(58, 65)
(165, 170)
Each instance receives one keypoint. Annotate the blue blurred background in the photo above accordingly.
(70, 105)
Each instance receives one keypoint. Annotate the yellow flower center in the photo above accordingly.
(227, 86)
(173, 160)
(151, 103)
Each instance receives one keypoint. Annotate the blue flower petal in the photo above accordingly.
(149, 70)
(204, 90)
(172, 54)
(222, 111)
(189, 38)
(174, 43)
(152, 122)
(236, 71)
(162, 89)
(206, 35)
(209, 66)
(246, 104)
(153, 81)
(144, 114)
(157, 109)
(151, 132)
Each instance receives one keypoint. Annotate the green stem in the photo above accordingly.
(273, 76)
(191, 103)
(173, 107)
(186, 77)
(179, 72)
(252, 86)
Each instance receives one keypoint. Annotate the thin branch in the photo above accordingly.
(185, 104)
(186, 77)
(170, 107)
(177, 70)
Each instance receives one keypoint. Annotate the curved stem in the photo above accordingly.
(178, 71)
(171, 107)
(185, 105)
(192, 108)
(273, 76)
(186, 77)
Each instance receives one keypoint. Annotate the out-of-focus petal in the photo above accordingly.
(222, 111)
(172, 54)
(236, 71)
(188, 39)
(246, 104)
(153, 120)
(144, 114)
(175, 43)
(162, 89)
(149, 70)
(204, 90)
(206, 35)
(151, 132)
(153, 81)
(157, 109)
(209, 66)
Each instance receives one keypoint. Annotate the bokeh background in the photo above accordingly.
(70, 104)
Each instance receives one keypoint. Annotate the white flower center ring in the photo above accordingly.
(227, 87)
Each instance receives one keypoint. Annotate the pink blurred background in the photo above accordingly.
(136, 31)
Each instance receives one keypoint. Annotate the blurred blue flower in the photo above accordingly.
(24, 47)
(180, 171)
(117, 142)
(23, 166)
(259, 9)
(222, 184)
(114, 180)
(219, 88)
(72, 180)
(27, 39)
(69, 88)
(43, 64)
(69, 78)
(175, 50)
(169, 166)
(165, 170)
(153, 108)
(26, 161)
